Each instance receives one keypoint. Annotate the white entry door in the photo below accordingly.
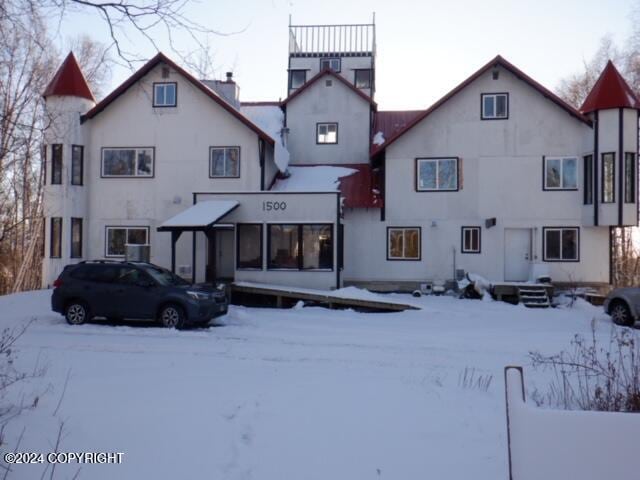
(225, 254)
(517, 254)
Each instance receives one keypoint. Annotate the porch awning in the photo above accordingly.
(199, 217)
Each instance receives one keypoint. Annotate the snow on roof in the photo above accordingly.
(378, 138)
(200, 215)
(318, 178)
(270, 118)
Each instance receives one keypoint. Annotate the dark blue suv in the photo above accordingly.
(133, 290)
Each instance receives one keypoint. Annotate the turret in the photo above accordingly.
(611, 190)
(67, 97)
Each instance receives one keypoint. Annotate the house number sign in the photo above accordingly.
(269, 206)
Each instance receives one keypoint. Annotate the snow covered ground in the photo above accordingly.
(276, 394)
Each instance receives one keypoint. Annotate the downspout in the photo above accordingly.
(261, 155)
(620, 165)
(596, 155)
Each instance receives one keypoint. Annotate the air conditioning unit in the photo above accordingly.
(137, 253)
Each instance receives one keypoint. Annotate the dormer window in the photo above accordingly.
(495, 106)
(330, 64)
(165, 94)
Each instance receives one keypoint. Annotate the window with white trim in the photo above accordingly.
(403, 243)
(436, 174)
(470, 240)
(561, 244)
(297, 78)
(608, 177)
(117, 238)
(560, 173)
(165, 94)
(224, 162)
(330, 64)
(327, 133)
(127, 162)
(495, 106)
(629, 177)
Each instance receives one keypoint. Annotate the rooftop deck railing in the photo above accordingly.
(325, 40)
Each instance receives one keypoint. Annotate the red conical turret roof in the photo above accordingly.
(610, 91)
(69, 80)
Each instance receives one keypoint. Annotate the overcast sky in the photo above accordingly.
(425, 48)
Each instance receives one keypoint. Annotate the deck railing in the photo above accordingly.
(319, 40)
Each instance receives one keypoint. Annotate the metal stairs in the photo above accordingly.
(534, 296)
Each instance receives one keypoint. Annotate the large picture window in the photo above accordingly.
(117, 238)
(77, 164)
(327, 133)
(588, 179)
(560, 173)
(608, 177)
(403, 243)
(56, 164)
(127, 162)
(470, 240)
(300, 246)
(249, 245)
(561, 244)
(330, 64)
(165, 94)
(436, 174)
(76, 238)
(629, 177)
(55, 240)
(495, 106)
(224, 162)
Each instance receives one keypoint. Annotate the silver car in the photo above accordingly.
(623, 304)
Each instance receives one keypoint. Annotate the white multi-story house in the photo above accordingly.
(500, 177)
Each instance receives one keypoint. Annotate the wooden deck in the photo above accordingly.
(283, 295)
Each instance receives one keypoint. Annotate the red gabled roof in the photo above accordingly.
(338, 77)
(497, 61)
(610, 91)
(389, 122)
(69, 81)
(161, 58)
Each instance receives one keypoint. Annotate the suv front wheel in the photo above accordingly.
(76, 313)
(171, 316)
(620, 314)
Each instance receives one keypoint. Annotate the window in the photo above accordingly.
(165, 94)
(55, 242)
(437, 174)
(44, 165)
(77, 161)
(588, 179)
(300, 247)
(561, 244)
(224, 162)
(403, 243)
(608, 177)
(249, 245)
(560, 173)
(327, 133)
(76, 238)
(127, 162)
(119, 237)
(330, 64)
(56, 164)
(363, 78)
(130, 276)
(495, 106)
(297, 78)
(470, 240)
(317, 247)
(629, 177)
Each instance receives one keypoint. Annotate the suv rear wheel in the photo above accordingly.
(620, 314)
(171, 316)
(76, 313)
